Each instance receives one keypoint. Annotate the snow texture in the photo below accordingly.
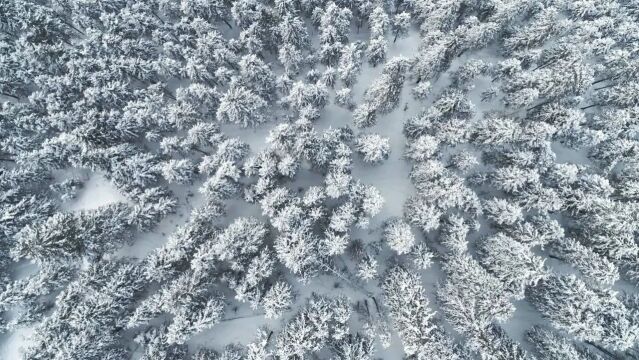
(243, 179)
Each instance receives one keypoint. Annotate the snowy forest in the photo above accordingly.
(319, 179)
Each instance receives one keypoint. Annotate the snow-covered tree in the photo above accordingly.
(413, 318)
(502, 212)
(599, 270)
(400, 25)
(378, 24)
(409, 308)
(372, 147)
(399, 236)
(350, 63)
(178, 171)
(241, 106)
(471, 298)
(67, 236)
(367, 268)
(383, 95)
(156, 346)
(87, 316)
(588, 314)
(277, 299)
(524, 162)
(317, 325)
(553, 346)
(511, 262)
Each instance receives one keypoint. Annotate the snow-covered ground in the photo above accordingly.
(96, 191)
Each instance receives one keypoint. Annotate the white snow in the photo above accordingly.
(11, 344)
(96, 191)
(390, 177)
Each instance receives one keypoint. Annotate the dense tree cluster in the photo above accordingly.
(520, 126)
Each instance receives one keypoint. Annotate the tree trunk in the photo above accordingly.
(589, 106)
(9, 95)
(65, 22)
(200, 150)
(601, 349)
(168, 93)
(376, 304)
(157, 16)
(538, 105)
(604, 79)
(605, 87)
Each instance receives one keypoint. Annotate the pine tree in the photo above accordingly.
(552, 346)
(293, 31)
(189, 300)
(471, 298)
(464, 161)
(152, 205)
(383, 95)
(156, 345)
(167, 261)
(367, 268)
(422, 256)
(236, 244)
(453, 234)
(399, 236)
(257, 75)
(298, 249)
(241, 106)
(334, 22)
(223, 182)
(422, 148)
(599, 270)
(350, 63)
(494, 343)
(178, 171)
(409, 308)
(502, 212)
(317, 325)
(589, 314)
(137, 171)
(413, 318)
(27, 292)
(258, 349)
(344, 98)
(69, 236)
(277, 300)
(400, 25)
(86, 320)
(372, 147)
(537, 231)
(354, 347)
(304, 95)
(511, 262)
(195, 317)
